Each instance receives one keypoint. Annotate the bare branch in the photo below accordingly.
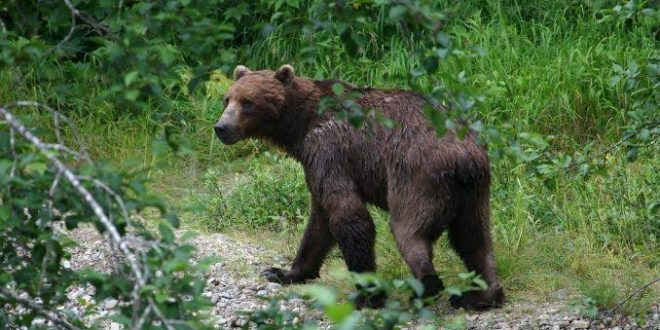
(12, 145)
(116, 239)
(640, 289)
(166, 322)
(83, 153)
(100, 29)
(109, 191)
(68, 35)
(51, 191)
(614, 146)
(52, 316)
(75, 182)
(143, 318)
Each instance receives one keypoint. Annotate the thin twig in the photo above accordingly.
(14, 155)
(143, 318)
(100, 29)
(166, 322)
(54, 113)
(98, 183)
(643, 287)
(612, 147)
(52, 316)
(51, 192)
(71, 30)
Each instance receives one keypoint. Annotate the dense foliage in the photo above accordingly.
(565, 92)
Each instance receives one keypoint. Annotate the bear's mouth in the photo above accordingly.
(226, 135)
(229, 139)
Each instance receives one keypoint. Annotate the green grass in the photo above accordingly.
(545, 68)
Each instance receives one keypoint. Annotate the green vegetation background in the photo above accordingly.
(543, 67)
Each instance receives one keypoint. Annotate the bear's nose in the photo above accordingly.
(220, 129)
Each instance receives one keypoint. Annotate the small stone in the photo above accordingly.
(556, 327)
(580, 324)
(273, 286)
(563, 323)
(296, 320)
(110, 304)
(262, 293)
(239, 323)
(114, 326)
(215, 298)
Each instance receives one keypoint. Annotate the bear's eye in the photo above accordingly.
(226, 101)
(247, 104)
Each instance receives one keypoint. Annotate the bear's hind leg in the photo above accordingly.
(470, 236)
(417, 251)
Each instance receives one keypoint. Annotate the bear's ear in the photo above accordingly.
(285, 74)
(240, 71)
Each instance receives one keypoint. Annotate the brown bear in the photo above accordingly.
(428, 184)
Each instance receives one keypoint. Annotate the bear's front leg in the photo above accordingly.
(314, 247)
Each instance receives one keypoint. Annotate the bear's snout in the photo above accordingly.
(220, 130)
(225, 134)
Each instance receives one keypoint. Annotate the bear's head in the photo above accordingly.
(254, 104)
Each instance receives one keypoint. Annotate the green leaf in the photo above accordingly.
(323, 295)
(130, 78)
(466, 275)
(454, 291)
(632, 154)
(132, 94)
(416, 286)
(480, 283)
(5, 212)
(166, 232)
(337, 313)
(173, 219)
(431, 64)
(36, 167)
(338, 89)
(397, 12)
(644, 135)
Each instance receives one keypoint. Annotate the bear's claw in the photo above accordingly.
(479, 300)
(275, 275)
(374, 301)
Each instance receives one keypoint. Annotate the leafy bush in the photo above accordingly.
(48, 187)
(402, 308)
(270, 193)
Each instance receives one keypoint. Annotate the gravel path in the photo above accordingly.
(234, 285)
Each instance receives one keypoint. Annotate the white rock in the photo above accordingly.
(273, 286)
(580, 324)
(110, 304)
(215, 298)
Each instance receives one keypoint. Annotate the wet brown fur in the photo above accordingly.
(428, 184)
